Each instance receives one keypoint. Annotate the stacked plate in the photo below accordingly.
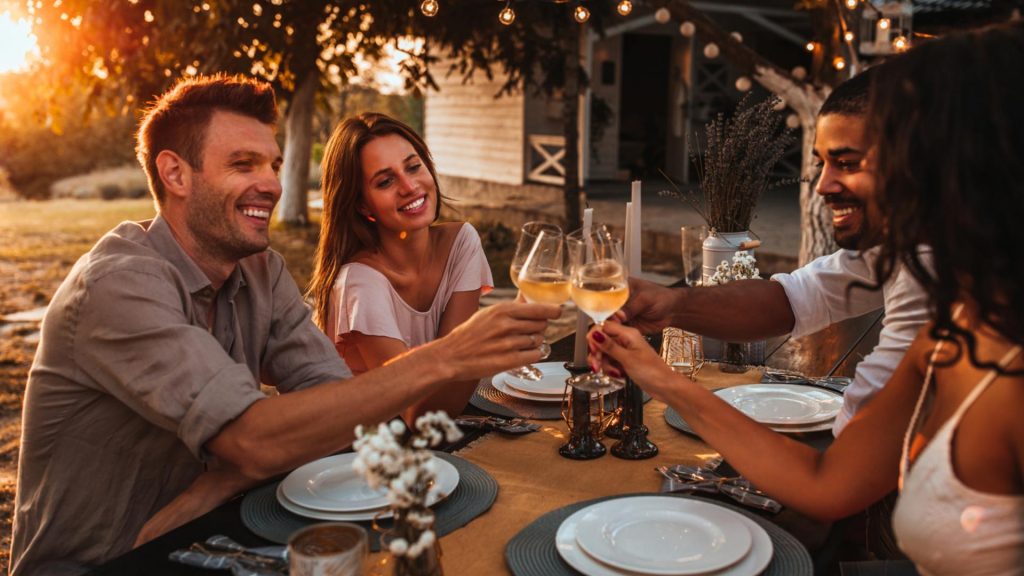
(550, 388)
(329, 489)
(790, 408)
(662, 535)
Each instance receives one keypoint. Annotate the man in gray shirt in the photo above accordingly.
(143, 407)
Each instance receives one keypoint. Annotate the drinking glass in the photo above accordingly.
(328, 548)
(544, 277)
(692, 248)
(527, 237)
(599, 285)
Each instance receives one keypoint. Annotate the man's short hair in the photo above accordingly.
(178, 119)
(851, 97)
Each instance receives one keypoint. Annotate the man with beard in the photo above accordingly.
(815, 295)
(143, 407)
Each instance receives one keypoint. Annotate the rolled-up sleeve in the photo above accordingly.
(818, 292)
(134, 341)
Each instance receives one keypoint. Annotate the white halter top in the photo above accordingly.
(944, 526)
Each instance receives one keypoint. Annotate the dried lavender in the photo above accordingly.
(734, 170)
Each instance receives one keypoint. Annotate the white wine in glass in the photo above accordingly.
(527, 237)
(544, 277)
(599, 286)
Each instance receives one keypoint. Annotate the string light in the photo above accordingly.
(429, 8)
(743, 84)
(810, 46)
(624, 7)
(662, 15)
(851, 4)
(581, 14)
(507, 15)
(900, 43)
(736, 36)
(711, 51)
(884, 24)
(687, 29)
(848, 36)
(839, 63)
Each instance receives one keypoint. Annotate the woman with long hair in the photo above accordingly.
(388, 277)
(947, 126)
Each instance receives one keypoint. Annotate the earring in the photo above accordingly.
(370, 218)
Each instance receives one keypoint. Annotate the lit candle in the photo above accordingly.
(579, 356)
(634, 231)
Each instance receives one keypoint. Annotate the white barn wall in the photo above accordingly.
(470, 133)
(604, 153)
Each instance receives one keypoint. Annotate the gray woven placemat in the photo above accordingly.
(474, 495)
(818, 440)
(494, 401)
(532, 551)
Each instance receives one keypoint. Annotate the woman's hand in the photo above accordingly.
(621, 350)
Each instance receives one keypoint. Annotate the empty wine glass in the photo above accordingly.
(527, 237)
(544, 277)
(599, 285)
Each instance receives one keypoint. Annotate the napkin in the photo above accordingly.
(503, 425)
(223, 553)
(705, 479)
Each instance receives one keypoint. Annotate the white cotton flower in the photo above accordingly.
(397, 427)
(398, 546)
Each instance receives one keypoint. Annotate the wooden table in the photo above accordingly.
(533, 479)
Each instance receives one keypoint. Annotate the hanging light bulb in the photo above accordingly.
(848, 36)
(711, 51)
(839, 63)
(429, 8)
(624, 7)
(810, 46)
(581, 14)
(884, 24)
(507, 15)
(851, 4)
(688, 29)
(743, 84)
(662, 15)
(900, 43)
(736, 36)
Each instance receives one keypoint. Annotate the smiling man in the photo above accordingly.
(143, 407)
(816, 295)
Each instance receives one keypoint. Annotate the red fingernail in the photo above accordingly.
(599, 337)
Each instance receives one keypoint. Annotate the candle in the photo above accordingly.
(579, 356)
(627, 237)
(634, 231)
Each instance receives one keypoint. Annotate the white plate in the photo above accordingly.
(552, 384)
(801, 429)
(788, 404)
(663, 535)
(754, 562)
(338, 516)
(331, 485)
(499, 384)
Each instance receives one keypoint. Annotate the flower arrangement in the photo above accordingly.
(743, 267)
(394, 458)
(735, 168)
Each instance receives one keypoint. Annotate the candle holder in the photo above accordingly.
(584, 430)
(682, 351)
(634, 444)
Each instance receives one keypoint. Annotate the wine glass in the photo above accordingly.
(527, 237)
(599, 285)
(544, 277)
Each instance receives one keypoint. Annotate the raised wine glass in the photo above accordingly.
(599, 285)
(544, 278)
(527, 237)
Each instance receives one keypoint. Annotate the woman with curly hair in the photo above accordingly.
(947, 125)
(388, 277)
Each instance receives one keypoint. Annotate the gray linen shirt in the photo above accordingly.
(129, 383)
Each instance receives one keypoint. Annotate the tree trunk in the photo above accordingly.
(298, 147)
(570, 128)
(815, 218)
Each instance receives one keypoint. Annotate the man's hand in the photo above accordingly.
(209, 490)
(496, 338)
(650, 306)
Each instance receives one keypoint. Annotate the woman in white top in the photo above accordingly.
(947, 125)
(387, 277)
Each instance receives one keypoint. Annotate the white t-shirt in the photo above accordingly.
(818, 296)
